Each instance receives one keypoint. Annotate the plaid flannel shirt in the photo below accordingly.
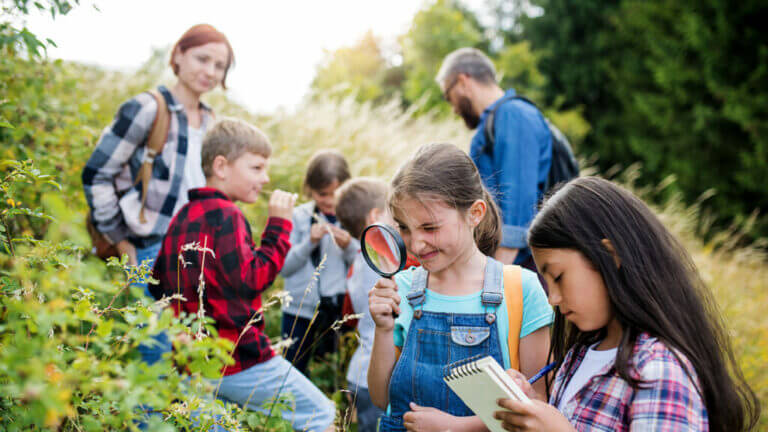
(236, 272)
(110, 172)
(668, 401)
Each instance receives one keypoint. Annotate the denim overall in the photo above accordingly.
(436, 341)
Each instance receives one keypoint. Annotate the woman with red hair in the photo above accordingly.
(134, 191)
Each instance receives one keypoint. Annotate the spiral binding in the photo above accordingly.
(462, 368)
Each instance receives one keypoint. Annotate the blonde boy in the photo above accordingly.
(235, 155)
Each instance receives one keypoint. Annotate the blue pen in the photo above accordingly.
(545, 370)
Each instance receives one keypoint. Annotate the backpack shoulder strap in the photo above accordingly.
(490, 140)
(490, 120)
(156, 139)
(513, 296)
(158, 135)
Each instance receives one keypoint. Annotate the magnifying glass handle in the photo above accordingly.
(394, 314)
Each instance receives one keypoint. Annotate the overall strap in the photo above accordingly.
(418, 291)
(513, 294)
(492, 289)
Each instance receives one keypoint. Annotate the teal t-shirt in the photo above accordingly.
(537, 312)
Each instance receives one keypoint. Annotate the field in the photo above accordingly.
(70, 323)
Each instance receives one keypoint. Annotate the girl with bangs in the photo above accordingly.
(459, 304)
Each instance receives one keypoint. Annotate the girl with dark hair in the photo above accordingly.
(459, 304)
(637, 339)
(132, 206)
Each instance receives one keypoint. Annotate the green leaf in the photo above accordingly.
(105, 328)
(83, 309)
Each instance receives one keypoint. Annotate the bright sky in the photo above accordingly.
(277, 44)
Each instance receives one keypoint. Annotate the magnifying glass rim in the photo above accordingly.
(400, 247)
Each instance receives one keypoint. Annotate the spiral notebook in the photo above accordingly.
(480, 383)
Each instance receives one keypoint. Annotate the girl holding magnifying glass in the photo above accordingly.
(453, 307)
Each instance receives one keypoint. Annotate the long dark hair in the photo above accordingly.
(656, 289)
(445, 172)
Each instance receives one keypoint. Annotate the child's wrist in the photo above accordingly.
(472, 423)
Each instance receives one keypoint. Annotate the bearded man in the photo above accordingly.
(515, 161)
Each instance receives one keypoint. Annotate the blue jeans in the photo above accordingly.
(259, 383)
(152, 351)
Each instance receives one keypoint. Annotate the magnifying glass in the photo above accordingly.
(383, 250)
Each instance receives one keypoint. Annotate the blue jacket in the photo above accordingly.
(516, 172)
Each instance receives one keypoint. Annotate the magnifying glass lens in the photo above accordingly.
(383, 249)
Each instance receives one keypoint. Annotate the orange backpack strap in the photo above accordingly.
(156, 139)
(513, 297)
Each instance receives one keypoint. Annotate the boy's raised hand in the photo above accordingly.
(383, 300)
(281, 204)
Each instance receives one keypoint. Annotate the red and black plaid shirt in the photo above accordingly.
(236, 272)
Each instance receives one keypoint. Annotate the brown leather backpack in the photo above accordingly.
(158, 135)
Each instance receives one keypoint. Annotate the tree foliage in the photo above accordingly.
(70, 326)
(679, 87)
(361, 70)
(439, 28)
(435, 31)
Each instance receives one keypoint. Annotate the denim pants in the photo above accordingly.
(434, 343)
(152, 351)
(259, 383)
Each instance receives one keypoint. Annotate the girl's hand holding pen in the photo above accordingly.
(524, 385)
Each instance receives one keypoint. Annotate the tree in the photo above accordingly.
(15, 40)
(681, 89)
(578, 49)
(437, 30)
(695, 98)
(361, 69)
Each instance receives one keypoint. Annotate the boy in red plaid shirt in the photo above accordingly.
(236, 272)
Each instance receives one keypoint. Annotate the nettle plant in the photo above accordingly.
(70, 328)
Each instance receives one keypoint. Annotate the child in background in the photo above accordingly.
(234, 160)
(457, 305)
(317, 234)
(362, 202)
(637, 338)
